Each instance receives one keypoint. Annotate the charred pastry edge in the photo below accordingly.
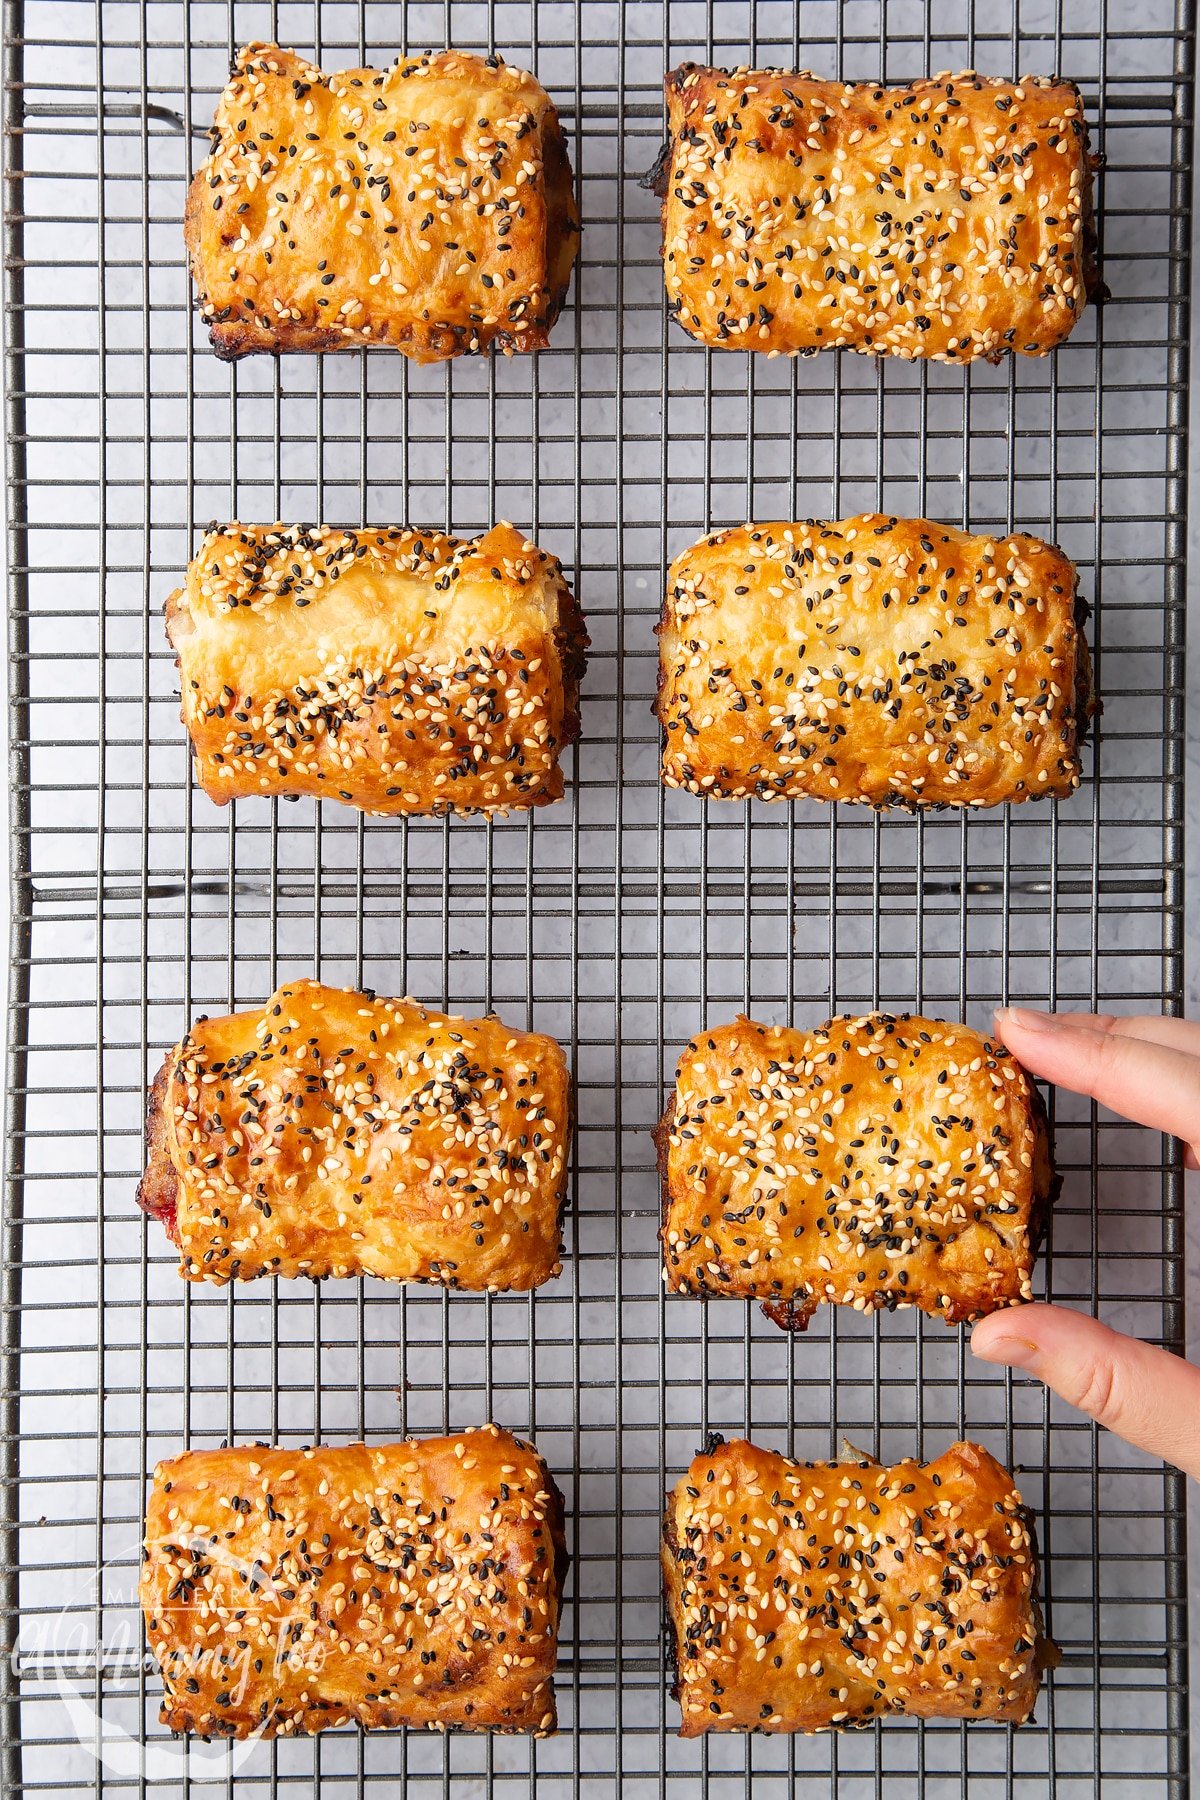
(655, 180)
(571, 641)
(555, 1522)
(1047, 1180)
(233, 339)
(794, 1313)
(669, 1548)
(158, 1189)
(1046, 1653)
(1086, 704)
(1096, 290)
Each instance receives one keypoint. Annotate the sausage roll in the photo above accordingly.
(950, 219)
(427, 207)
(400, 671)
(806, 1595)
(876, 1162)
(290, 1591)
(889, 661)
(331, 1133)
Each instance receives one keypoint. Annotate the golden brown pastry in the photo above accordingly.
(949, 219)
(330, 1133)
(889, 661)
(290, 1591)
(804, 1595)
(400, 671)
(427, 207)
(876, 1162)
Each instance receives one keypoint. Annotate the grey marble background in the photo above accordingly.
(480, 917)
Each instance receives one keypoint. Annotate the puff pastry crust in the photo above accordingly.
(808, 1595)
(290, 1591)
(427, 207)
(397, 670)
(330, 1133)
(882, 1161)
(888, 661)
(950, 219)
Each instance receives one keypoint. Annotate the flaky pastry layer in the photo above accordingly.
(427, 207)
(290, 1591)
(950, 219)
(807, 1595)
(330, 1133)
(881, 1161)
(893, 662)
(396, 670)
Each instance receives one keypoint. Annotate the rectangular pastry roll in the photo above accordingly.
(400, 671)
(876, 1162)
(950, 219)
(329, 1133)
(807, 1595)
(887, 661)
(291, 1591)
(427, 207)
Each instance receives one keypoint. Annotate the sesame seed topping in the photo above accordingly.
(438, 220)
(397, 670)
(335, 1134)
(415, 1583)
(809, 1595)
(892, 662)
(950, 219)
(883, 1161)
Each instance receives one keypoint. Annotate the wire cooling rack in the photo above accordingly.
(620, 920)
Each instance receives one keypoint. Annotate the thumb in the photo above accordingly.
(1146, 1395)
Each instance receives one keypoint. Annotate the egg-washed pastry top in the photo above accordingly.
(287, 1591)
(331, 1133)
(393, 669)
(809, 1595)
(427, 207)
(949, 219)
(883, 1161)
(894, 662)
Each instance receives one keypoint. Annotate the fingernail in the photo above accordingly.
(1016, 1352)
(1027, 1019)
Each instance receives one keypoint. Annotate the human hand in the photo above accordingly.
(1148, 1069)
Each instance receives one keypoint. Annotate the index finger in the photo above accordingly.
(1158, 1084)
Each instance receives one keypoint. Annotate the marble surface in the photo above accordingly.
(620, 555)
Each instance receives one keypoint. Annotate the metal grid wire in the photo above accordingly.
(621, 920)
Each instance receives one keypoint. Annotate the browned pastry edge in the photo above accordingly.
(1046, 1652)
(233, 339)
(794, 1315)
(1094, 285)
(1096, 291)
